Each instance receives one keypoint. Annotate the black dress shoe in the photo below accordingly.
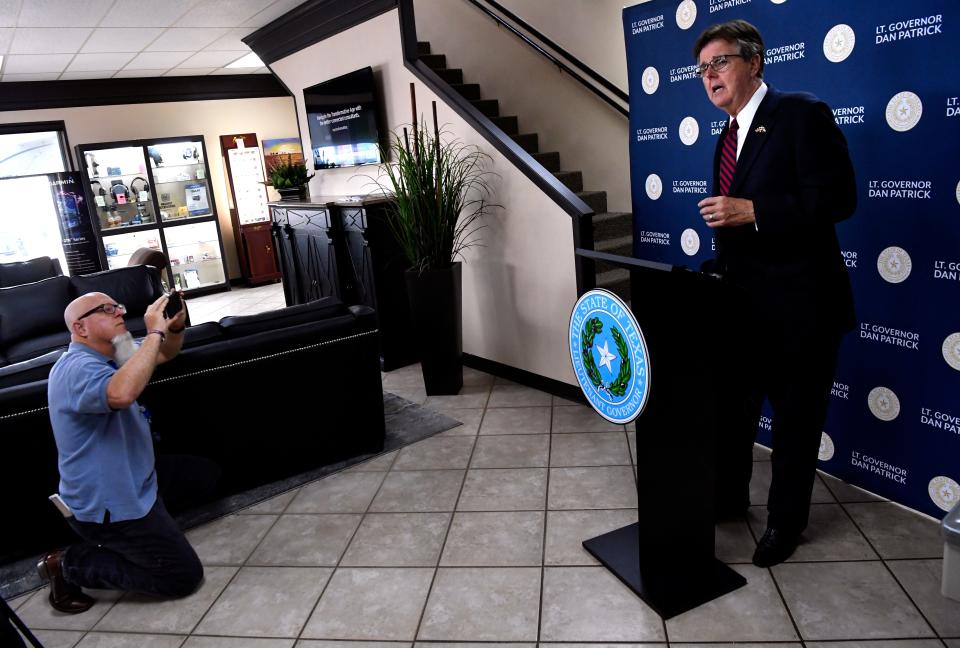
(774, 547)
(64, 597)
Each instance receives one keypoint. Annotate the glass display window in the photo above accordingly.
(119, 185)
(194, 254)
(119, 247)
(180, 173)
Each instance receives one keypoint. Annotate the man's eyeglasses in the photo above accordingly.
(717, 64)
(108, 309)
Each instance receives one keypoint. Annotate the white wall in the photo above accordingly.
(268, 117)
(590, 135)
(519, 288)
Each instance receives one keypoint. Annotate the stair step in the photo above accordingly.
(467, 90)
(435, 61)
(508, 125)
(597, 200)
(550, 161)
(489, 107)
(450, 75)
(622, 245)
(423, 48)
(616, 280)
(527, 141)
(612, 225)
(572, 180)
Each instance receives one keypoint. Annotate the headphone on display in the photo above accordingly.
(117, 188)
(135, 191)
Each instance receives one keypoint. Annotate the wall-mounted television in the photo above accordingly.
(342, 115)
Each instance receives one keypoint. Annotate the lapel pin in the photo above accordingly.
(759, 129)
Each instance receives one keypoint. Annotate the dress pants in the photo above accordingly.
(794, 370)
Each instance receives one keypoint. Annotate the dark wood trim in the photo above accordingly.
(522, 377)
(31, 95)
(311, 23)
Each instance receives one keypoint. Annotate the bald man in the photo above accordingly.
(107, 469)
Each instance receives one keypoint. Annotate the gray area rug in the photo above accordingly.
(406, 423)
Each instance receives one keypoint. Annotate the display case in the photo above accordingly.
(157, 194)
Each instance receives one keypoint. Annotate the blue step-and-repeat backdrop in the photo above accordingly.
(890, 72)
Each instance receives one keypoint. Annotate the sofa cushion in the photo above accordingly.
(136, 287)
(14, 274)
(37, 368)
(202, 334)
(37, 346)
(240, 325)
(33, 310)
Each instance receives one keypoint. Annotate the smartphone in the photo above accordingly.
(61, 505)
(173, 305)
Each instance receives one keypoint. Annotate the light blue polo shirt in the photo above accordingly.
(105, 456)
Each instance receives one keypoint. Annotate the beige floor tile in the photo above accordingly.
(516, 420)
(754, 612)
(345, 492)
(733, 542)
(845, 492)
(323, 643)
(511, 451)
(58, 638)
(237, 642)
(508, 394)
(266, 602)
(565, 402)
(632, 441)
(511, 539)
(566, 531)
(922, 580)
(414, 394)
(306, 540)
(896, 532)
(591, 604)
(761, 453)
(889, 643)
(371, 604)
(380, 463)
(592, 449)
(605, 487)
(273, 506)
(468, 417)
(760, 486)
(476, 377)
(469, 396)
(491, 604)
(135, 613)
(830, 535)
(436, 453)
(398, 540)
(848, 600)
(507, 489)
(116, 640)
(229, 540)
(36, 613)
(418, 491)
(581, 419)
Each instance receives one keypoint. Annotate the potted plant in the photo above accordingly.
(440, 192)
(290, 180)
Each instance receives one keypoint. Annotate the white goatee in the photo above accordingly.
(123, 348)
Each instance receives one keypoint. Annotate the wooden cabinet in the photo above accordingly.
(258, 250)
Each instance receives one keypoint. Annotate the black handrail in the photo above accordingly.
(620, 94)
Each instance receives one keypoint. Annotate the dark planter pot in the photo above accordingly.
(435, 304)
(293, 193)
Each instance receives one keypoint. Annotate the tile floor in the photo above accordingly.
(473, 536)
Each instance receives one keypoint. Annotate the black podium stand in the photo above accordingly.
(667, 557)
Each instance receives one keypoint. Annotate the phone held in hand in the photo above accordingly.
(173, 305)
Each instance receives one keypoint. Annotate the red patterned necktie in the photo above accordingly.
(728, 157)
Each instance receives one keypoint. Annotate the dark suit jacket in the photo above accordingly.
(796, 169)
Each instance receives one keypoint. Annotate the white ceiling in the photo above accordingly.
(45, 40)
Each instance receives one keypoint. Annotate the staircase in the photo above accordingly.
(612, 231)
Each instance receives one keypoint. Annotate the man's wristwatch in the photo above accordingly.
(163, 336)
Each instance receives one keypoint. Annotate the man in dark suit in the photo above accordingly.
(782, 179)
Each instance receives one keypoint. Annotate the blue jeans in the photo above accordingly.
(149, 555)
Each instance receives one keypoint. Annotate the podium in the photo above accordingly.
(667, 557)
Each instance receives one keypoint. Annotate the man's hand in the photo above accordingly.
(153, 318)
(724, 211)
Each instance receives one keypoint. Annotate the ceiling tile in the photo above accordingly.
(128, 73)
(157, 60)
(189, 71)
(230, 71)
(95, 62)
(36, 76)
(99, 74)
(221, 13)
(30, 63)
(48, 40)
(151, 13)
(177, 39)
(212, 59)
(115, 39)
(6, 37)
(231, 41)
(272, 12)
(9, 10)
(63, 13)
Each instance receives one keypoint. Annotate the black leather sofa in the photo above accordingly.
(21, 272)
(265, 396)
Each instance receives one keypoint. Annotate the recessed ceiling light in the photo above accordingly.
(251, 60)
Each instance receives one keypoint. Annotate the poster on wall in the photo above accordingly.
(246, 171)
(287, 150)
(76, 230)
(892, 425)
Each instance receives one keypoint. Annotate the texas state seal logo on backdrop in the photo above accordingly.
(944, 492)
(609, 356)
